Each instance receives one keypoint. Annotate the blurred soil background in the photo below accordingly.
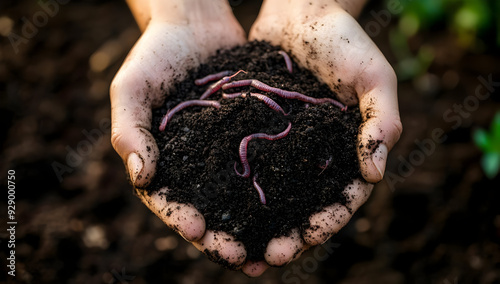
(434, 219)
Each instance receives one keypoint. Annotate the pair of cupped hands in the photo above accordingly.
(320, 35)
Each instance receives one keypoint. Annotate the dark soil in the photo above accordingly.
(200, 147)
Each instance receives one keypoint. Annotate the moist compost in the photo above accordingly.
(300, 174)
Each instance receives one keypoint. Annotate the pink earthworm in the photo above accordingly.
(262, 197)
(288, 61)
(233, 95)
(216, 86)
(244, 146)
(269, 102)
(212, 77)
(183, 105)
(282, 93)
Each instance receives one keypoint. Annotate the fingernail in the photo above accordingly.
(135, 166)
(379, 158)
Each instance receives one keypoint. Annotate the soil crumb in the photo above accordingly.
(299, 174)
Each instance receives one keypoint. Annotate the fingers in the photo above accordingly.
(221, 248)
(381, 126)
(331, 219)
(183, 218)
(357, 193)
(190, 224)
(254, 268)
(326, 223)
(282, 250)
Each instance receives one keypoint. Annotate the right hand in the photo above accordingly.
(323, 36)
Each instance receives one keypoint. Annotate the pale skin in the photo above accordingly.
(320, 35)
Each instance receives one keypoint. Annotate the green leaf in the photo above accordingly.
(491, 164)
(482, 139)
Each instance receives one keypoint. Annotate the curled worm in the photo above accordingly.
(244, 147)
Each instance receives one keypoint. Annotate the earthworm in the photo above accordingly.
(212, 77)
(244, 146)
(282, 93)
(183, 105)
(233, 95)
(262, 197)
(216, 86)
(288, 61)
(269, 102)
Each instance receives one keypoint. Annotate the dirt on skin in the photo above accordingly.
(300, 174)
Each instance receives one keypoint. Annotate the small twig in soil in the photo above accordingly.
(183, 105)
(216, 86)
(288, 61)
(282, 93)
(244, 146)
(327, 163)
(212, 77)
(262, 197)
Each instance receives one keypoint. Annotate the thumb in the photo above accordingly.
(381, 127)
(131, 114)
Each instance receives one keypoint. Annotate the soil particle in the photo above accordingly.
(199, 148)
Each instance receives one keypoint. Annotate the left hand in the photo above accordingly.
(178, 35)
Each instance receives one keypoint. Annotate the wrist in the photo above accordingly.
(141, 11)
(353, 7)
(181, 12)
(310, 9)
(190, 12)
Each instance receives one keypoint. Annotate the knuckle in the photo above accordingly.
(116, 139)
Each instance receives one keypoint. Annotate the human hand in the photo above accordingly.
(179, 36)
(322, 37)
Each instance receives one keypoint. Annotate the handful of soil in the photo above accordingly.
(299, 174)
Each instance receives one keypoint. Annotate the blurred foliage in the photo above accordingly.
(469, 19)
(409, 66)
(475, 23)
(489, 143)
